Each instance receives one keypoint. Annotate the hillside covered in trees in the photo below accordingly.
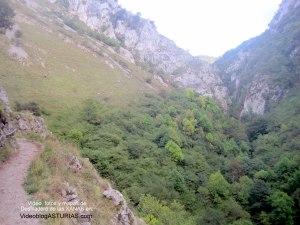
(181, 160)
(187, 142)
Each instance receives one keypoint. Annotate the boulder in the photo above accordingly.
(74, 164)
(124, 215)
(26, 122)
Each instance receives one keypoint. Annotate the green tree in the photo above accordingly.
(235, 169)
(257, 127)
(174, 150)
(207, 104)
(258, 196)
(233, 211)
(213, 139)
(282, 204)
(285, 167)
(165, 134)
(156, 212)
(211, 216)
(189, 123)
(241, 222)
(230, 147)
(262, 174)
(189, 93)
(242, 189)
(264, 218)
(204, 121)
(76, 134)
(93, 112)
(202, 100)
(137, 147)
(267, 143)
(218, 187)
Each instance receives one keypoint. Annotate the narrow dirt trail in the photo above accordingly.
(12, 176)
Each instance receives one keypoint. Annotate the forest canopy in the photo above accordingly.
(179, 156)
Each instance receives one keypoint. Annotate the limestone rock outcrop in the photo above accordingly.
(263, 70)
(142, 44)
(124, 215)
(7, 125)
(11, 122)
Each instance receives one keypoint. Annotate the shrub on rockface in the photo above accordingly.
(30, 106)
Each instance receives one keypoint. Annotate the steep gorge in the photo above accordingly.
(253, 77)
(141, 43)
(263, 70)
(174, 154)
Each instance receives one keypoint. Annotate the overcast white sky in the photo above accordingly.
(206, 27)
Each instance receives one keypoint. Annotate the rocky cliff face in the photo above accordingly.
(254, 76)
(261, 71)
(12, 122)
(135, 34)
(142, 44)
(7, 128)
(285, 9)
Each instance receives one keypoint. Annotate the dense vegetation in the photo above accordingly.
(178, 158)
(181, 160)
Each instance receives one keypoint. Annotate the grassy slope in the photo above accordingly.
(45, 182)
(59, 75)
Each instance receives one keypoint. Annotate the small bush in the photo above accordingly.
(148, 80)
(39, 172)
(174, 150)
(75, 24)
(82, 28)
(5, 152)
(103, 38)
(30, 106)
(18, 34)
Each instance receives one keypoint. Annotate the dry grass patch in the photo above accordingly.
(49, 174)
